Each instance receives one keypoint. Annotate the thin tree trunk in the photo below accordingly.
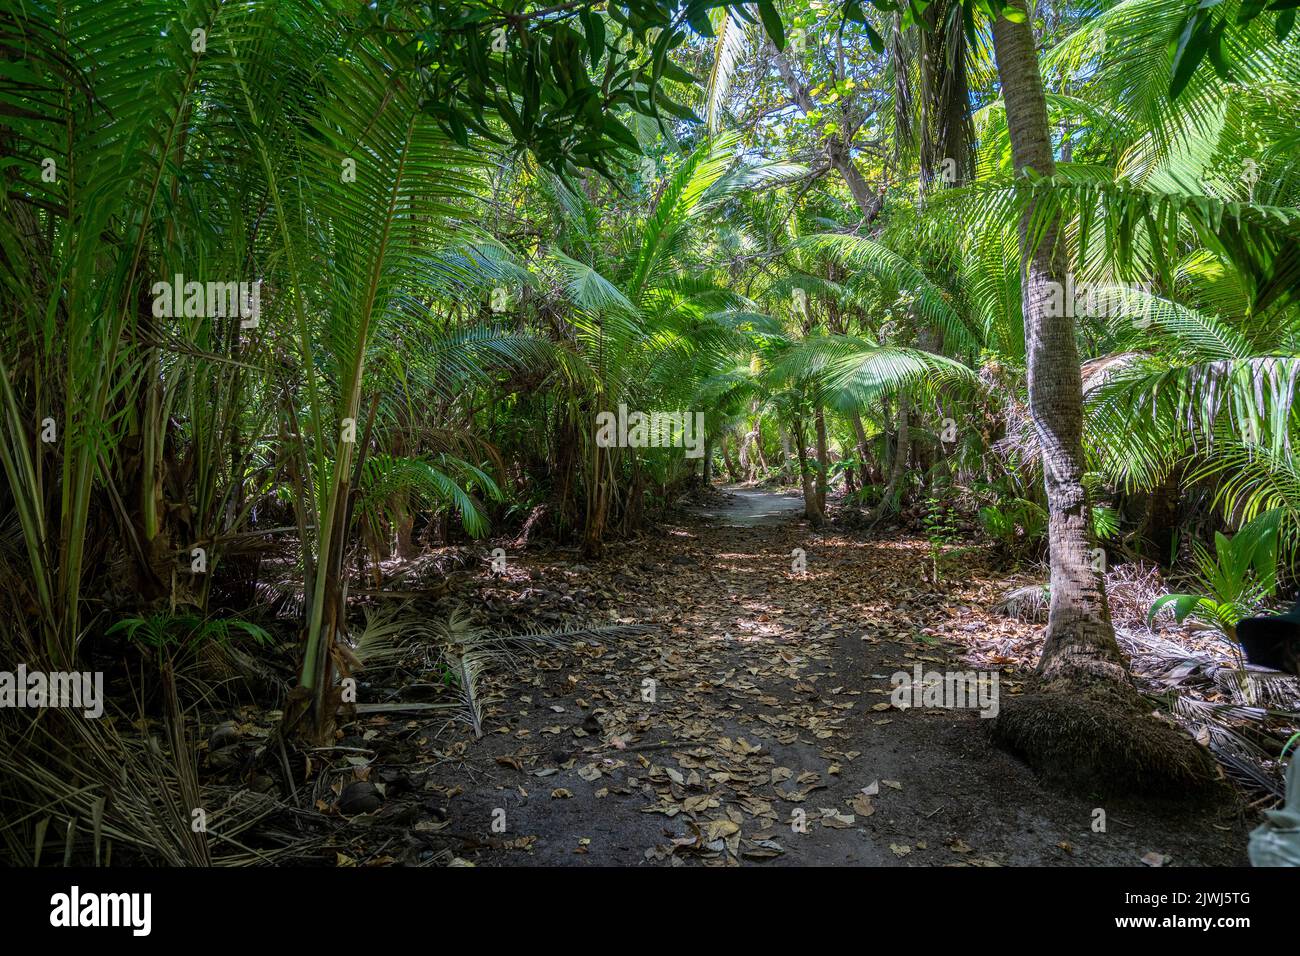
(747, 457)
(598, 494)
(823, 457)
(1080, 641)
(810, 509)
(860, 434)
(869, 201)
(898, 467)
(733, 472)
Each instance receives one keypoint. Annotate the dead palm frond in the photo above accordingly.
(472, 650)
(135, 792)
(387, 634)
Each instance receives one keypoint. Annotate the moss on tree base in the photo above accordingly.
(1101, 737)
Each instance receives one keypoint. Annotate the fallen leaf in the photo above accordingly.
(861, 804)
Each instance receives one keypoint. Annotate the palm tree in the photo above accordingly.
(1080, 656)
(1080, 643)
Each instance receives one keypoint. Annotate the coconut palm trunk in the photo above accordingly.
(1083, 725)
(1080, 640)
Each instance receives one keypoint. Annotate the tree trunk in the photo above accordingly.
(898, 467)
(562, 501)
(838, 149)
(860, 434)
(1161, 518)
(1082, 725)
(598, 495)
(733, 472)
(810, 509)
(1080, 640)
(404, 527)
(749, 452)
(869, 201)
(823, 457)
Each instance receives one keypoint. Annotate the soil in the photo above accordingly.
(770, 738)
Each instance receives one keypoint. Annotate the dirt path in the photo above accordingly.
(754, 726)
(751, 507)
